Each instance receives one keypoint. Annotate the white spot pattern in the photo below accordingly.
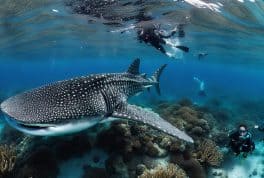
(70, 99)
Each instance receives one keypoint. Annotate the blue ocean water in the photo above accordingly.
(46, 41)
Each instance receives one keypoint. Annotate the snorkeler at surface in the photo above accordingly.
(151, 33)
(241, 141)
(201, 86)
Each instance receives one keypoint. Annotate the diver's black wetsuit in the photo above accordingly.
(240, 143)
(149, 33)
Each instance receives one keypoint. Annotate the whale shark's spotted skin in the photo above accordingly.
(83, 101)
(71, 99)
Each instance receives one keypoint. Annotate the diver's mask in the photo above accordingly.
(242, 132)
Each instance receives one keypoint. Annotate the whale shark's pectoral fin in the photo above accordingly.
(132, 112)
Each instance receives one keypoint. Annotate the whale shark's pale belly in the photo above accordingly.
(58, 129)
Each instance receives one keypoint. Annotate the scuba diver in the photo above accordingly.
(241, 141)
(151, 33)
(201, 86)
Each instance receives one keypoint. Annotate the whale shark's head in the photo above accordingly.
(51, 130)
(39, 127)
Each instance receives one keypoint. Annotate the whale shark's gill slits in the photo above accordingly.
(107, 100)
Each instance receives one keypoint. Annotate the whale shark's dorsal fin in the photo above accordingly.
(135, 113)
(134, 67)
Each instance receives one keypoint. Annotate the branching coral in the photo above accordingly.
(208, 153)
(132, 140)
(7, 159)
(171, 171)
(128, 139)
(187, 118)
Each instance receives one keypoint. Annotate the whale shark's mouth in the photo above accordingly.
(32, 127)
(51, 129)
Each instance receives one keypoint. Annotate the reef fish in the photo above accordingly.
(76, 104)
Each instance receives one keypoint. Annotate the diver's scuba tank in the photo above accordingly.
(260, 127)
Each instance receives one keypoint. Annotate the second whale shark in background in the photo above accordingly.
(73, 105)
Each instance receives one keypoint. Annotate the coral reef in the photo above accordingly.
(195, 120)
(7, 160)
(171, 171)
(140, 169)
(72, 146)
(190, 165)
(40, 163)
(186, 118)
(131, 138)
(40, 156)
(115, 167)
(185, 102)
(134, 149)
(220, 137)
(208, 153)
(93, 172)
(222, 114)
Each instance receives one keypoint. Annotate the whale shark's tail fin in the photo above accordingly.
(156, 77)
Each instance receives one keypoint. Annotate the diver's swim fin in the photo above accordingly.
(183, 48)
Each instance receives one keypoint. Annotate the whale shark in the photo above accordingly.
(73, 105)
